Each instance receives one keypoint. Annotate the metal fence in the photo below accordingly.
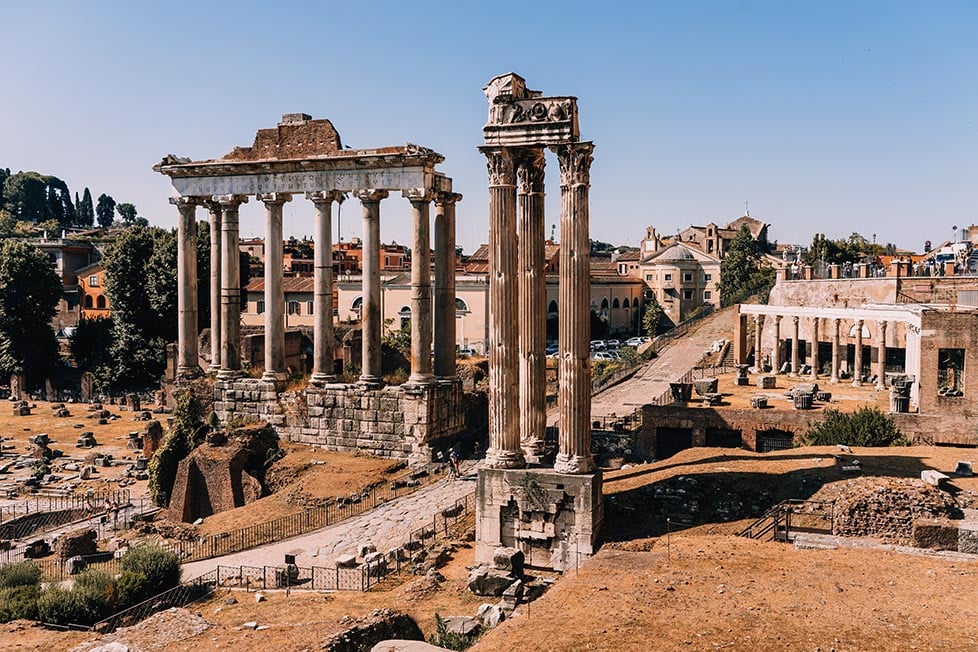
(285, 527)
(56, 569)
(792, 516)
(37, 504)
(181, 595)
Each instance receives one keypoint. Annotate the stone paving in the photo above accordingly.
(386, 526)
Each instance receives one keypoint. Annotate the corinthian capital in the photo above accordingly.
(531, 169)
(499, 162)
(370, 195)
(575, 163)
(418, 195)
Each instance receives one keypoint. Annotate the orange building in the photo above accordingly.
(94, 299)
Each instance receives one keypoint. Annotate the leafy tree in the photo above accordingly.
(29, 293)
(867, 426)
(652, 317)
(741, 273)
(8, 223)
(91, 345)
(25, 195)
(4, 173)
(127, 212)
(105, 211)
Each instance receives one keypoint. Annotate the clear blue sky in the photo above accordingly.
(826, 116)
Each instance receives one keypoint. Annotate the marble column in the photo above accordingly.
(274, 294)
(504, 413)
(230, 286)
(421, 370)
(815, 360)
(531, 234)
(881, 358)
(444, 328)
(323, 346)
(370, 317)
(187, 354)
(858, 370)
(776, 349)
(757, 342)
(574, 443)
(215, 223)
(836, 323)
(794, 345)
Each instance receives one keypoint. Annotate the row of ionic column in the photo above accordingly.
(432, 313)
(517, 296)
(836, 324)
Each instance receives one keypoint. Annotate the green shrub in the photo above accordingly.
(59, 606)
(866, 426)
(21, 573)
(96, 590)
(146, 571)
(18, 602)
(449, 640)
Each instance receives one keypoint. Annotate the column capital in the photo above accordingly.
(371, 195)
(186, 202)
(447, 198)
(500, 164)
(795, 319)
(325, 196)
(531, 169)
(575, 163)
(418, 195)
(273, 198)
(778, 318)
(230, 201)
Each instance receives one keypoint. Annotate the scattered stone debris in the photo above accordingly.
(155, 632)
(887, 507)
(381, 625)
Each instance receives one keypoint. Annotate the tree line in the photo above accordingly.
(30, 200)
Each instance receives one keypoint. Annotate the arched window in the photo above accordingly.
(460, 305)
(552, 308)
(604, 303)
(355, 306)
(615, 304)
(405, 314)
(100, 302)
(88, 301)
(625, 304)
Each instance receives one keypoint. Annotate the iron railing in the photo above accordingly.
(788, 516)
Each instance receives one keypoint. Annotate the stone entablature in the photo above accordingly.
(395, 421)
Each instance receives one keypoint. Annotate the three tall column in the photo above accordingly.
(323, 354)
(444, 327)
(187, 353)
(370, 314)
(230, 287)
(274, 294)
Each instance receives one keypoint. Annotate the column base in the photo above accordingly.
(881, 387)
(187, 373)
(370, 381)
(834, 380)
(275, 376)
(500, 459)
(857, 383)
(320, 380)
(214, 369)
(229, 374)
(445, 380)
(573, 464)
(420, 380)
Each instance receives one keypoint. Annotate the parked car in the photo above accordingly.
(467, 353)
(612, 344)
(602, 355)
(597, 345)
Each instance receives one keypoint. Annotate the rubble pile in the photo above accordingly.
(887, 507)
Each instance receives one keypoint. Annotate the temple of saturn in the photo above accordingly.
(553, 515)
(302, 156)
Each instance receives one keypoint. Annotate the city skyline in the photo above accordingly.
(829, 118)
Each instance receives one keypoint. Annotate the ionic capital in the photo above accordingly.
(575, 163)
(795, 319)
(531, 168)
(447, 198)
(325, 196)
(500, 164)
(418, 195)
(273, 198)
(186, 205)
(230, 201)
(371, 195)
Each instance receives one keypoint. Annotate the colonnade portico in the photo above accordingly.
(881, 318)
(323, 176)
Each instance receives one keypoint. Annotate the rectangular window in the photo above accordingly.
(294, 308)
(687, 278)
(708, 277)
(950, 372)
(668, 277)
(308, 307)
(649, 277)
(707, 295)
(687, 294)
(93, 281)
(261, 307)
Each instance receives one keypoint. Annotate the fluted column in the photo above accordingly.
(836, 323)
(421, 371)
(858, 372)
(504, 415)
(444, 327)
(815, 361)
(187, 365)
(323, 346)
(776, 349)
(370, 317)
(230, 286)
(274, 294)
(881, 358)
(794, 344)
(531, 234)
(215, 223)
(574, 443)
(757, 342)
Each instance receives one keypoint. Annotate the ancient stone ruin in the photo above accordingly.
(302, 155)
(553, 515)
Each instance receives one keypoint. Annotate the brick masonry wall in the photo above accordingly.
(392, 421)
